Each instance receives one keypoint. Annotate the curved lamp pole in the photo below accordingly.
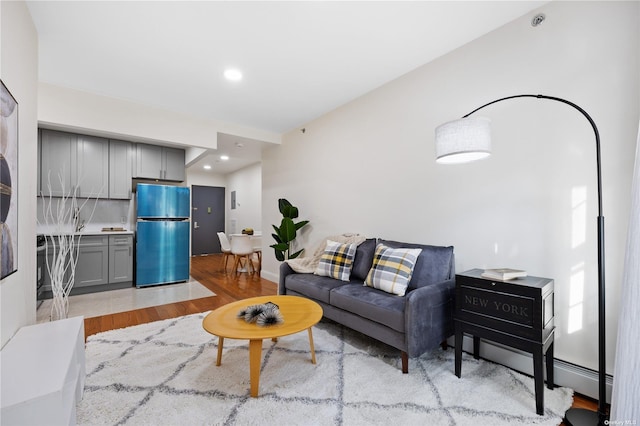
(468, 139)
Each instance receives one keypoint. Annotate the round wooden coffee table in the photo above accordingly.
(298, 313)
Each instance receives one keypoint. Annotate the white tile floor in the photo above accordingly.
(127, 299)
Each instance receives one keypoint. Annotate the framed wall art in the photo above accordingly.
(8, 182)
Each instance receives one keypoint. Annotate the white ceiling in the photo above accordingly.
(300, 59)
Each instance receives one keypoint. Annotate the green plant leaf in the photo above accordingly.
(278, 233)
(280, 246)
(301, 224)
(296, 254)
(279, 255)
(277, 238)
(287, 230)
(282, 204)
(293, 212)
(290, 212)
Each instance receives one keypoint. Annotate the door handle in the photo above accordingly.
(195, 225)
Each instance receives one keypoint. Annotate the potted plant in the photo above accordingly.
(287, 231)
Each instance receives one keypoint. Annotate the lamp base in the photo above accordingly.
(581, 416)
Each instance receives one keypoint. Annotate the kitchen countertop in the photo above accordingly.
(94, 233)
(127, 232)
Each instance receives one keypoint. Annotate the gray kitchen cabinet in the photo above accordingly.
(92, 166)
(58, 157)
(120, 258)
(46, 286)
(120, 163)
(173, 164)
(159, 162)
(105, 262)
(148, 161)
(100, 167)
(93, 261)
(68, 161)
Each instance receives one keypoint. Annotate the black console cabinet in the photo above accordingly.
(517, 313)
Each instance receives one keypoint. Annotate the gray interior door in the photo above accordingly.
(207, 218)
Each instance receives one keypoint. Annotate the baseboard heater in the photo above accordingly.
(582, 380)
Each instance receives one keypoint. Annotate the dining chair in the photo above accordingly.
(225, 246)
(256, 243)
(242, 248)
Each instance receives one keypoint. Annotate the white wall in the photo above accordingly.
(247, 183)
(73, 110)
(369, 166)
(18, 70)
(204, 178)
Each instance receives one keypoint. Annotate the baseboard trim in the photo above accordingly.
(269, 276)
(582, 380)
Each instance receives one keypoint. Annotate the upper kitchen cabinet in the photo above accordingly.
(159, 162)
(58, 157)
(173, 164)
(120, 164)
(68, 161)
(92, 167)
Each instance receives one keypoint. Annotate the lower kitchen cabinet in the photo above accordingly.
(93, 261)
(105, 262)
(120, 258)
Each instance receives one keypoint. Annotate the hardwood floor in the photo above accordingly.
(228, 287)
(208, 271)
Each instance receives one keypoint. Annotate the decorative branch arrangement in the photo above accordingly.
(64, 228)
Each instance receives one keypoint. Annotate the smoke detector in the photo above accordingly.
(538, 19)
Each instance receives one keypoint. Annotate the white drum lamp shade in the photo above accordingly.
(463, 140)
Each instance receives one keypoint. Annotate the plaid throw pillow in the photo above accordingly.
(336, 260)
(392, 269)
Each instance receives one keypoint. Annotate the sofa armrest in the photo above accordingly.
(285, 270)
(428, 316)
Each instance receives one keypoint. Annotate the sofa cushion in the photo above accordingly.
(434, 264)
(364, 259)
(392, 269)
(312, 286)
(372, 304)
(336, 260)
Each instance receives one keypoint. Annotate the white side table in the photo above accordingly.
(43, 373)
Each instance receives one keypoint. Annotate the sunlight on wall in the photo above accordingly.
(578, 238)
(576, 299)
(579, 216)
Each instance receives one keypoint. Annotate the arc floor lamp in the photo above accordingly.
(469, 139)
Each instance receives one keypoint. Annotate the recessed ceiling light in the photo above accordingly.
(233, 74)
(206, 167)
(224, 157)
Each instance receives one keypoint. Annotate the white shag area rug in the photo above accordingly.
(164, 373)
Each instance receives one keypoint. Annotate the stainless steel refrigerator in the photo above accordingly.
(162, 234)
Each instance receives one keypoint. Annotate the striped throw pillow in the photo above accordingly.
(392, 269)
(336, 260)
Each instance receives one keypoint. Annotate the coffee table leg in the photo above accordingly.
(313, 351)
(255, 355)
(220, 344)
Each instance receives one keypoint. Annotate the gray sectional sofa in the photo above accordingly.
(414, 323)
